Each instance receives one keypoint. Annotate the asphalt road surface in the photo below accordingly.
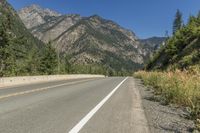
(99, 105)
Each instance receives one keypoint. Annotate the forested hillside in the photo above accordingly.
(174, 71)
(20, 52)
(23, 54)
(66, 44)
(94, 43)
(182, 50)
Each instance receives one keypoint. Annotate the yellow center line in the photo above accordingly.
(41, 89)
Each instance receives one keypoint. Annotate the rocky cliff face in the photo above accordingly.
(34, 15)
(154, 42)
(86, 40)
(151, 45)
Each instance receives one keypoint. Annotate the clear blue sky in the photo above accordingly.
(145, 17)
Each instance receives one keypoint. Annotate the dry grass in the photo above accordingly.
(180, 87)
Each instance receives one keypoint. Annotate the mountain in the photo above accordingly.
(35, 15)
(153, 42)
(20, 52)
(151, 45)
(9, 16)
(86, 40)
(181, 51)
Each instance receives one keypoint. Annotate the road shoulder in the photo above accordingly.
(163, 119)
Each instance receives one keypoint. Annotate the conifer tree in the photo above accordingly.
(3, 42)
(178, 22)
(5, 37)
(198, 15)
(49, 60)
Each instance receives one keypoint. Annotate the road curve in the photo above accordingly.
(101, 105)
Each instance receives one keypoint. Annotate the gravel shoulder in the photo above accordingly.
(163, 119)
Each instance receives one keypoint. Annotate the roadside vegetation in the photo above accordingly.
(174, 70)
(181, 88)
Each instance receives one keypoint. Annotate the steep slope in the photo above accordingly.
(7, 13)
(153, 42)
(35, 16)
(91, 40)
(52, 29)
(17, 44)
(151, 45)
(182, 50)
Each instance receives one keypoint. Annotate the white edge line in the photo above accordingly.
(84, 120)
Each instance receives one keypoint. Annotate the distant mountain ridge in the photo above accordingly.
(86, 40)
(154, 42)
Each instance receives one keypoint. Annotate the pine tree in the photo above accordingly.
(191, 19)
(5, 37)
(3, 42)
(49, 60)
(67, 64)
(198, 15)
(178, 22)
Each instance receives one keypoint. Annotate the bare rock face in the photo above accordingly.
(35, 15)
(53, 29)
(87, 40)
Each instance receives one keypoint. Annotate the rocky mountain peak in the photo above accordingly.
(101, 22)
(86, 40)
(36, 15)
(34, 7)
(42, 11)
(96, 17)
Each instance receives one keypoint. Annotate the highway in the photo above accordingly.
(98, 105)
